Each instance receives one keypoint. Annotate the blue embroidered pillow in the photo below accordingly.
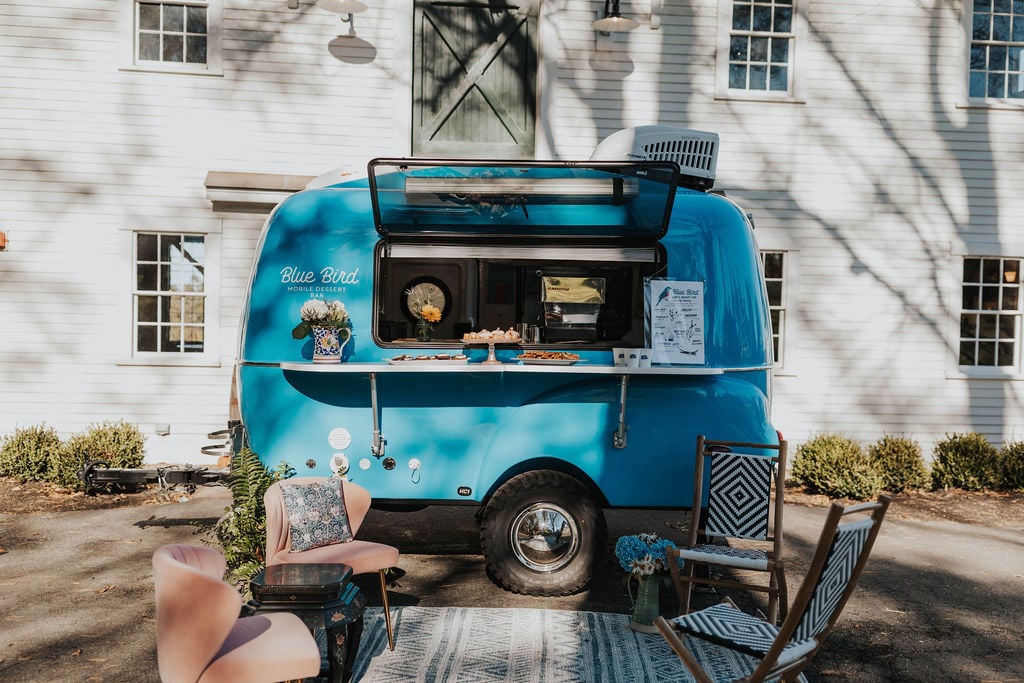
(316, 514)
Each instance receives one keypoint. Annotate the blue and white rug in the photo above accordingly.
(468, 645)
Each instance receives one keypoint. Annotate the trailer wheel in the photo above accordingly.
(541, 533)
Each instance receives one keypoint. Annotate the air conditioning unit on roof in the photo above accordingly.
(694, 151)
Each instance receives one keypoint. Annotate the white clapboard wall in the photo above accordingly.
(875, 180)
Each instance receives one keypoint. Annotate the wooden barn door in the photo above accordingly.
(474, 78)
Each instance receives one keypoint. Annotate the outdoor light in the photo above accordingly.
(3, 241)
(344, 8)
(613, 21)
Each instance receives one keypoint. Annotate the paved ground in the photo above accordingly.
(940, 600)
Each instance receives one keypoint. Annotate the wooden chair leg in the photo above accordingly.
(783, 593)
(387, 609)
(688, 570)
(777, 597)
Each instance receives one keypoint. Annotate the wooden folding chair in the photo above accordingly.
(744, 507)
(839, 559)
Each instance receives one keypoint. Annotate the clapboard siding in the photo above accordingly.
(875, 180)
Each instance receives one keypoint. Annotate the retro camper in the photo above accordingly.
(544, 340)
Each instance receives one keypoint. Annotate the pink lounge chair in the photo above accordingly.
(200, 637)
(363, 556)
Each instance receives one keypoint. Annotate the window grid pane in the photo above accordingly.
(171, 33)
(773, 264)
(760, 45)
(170, 293)
(990, 315)
(997, 38)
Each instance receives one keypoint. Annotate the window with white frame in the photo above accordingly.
(761, 41)
(169, 300)
(990, 312)
(774, 266)
(175, 36)
(997, 50)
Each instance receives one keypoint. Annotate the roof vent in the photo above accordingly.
(694, 151)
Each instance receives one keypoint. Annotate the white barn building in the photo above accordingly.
(879, 147)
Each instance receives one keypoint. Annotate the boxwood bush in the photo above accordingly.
(965, 461)
(1011, 466)
(900, 464)
(25, 455)
(119, 443)
(837, 467)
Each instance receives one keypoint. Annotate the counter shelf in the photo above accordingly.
(373, 369)
(516, 366)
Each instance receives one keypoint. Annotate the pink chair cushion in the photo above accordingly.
(266, 647)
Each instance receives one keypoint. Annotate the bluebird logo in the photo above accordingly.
(664, 295)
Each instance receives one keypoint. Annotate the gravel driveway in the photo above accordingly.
(939, 600)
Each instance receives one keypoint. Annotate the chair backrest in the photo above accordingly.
(744, 489)
(357, 504)
(843, 550)
(838, 561)
(195, 610)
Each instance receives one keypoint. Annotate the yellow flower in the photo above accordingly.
(430, 313)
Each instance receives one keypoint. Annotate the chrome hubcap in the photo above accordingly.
(544, 537)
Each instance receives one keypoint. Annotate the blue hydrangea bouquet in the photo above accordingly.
(643, 554)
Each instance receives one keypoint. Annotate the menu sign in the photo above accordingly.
(677, 321)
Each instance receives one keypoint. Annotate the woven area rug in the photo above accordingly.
(523, 645)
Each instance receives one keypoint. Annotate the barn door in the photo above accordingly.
(474, 78)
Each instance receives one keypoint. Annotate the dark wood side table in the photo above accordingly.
(324, 598)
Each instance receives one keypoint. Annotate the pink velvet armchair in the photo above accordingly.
(200, 637)
(363, 556)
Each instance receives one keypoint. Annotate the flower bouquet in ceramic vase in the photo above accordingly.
(330, 326)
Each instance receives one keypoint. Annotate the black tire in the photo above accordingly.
(517, 515)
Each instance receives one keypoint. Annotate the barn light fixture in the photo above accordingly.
(613, 21)
(344, 8)
(3, 241)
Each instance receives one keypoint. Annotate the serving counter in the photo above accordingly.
(582, 368)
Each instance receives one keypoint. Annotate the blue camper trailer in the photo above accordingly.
(539, 276)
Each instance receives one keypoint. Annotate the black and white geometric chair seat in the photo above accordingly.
(727, 556)
(725, 625)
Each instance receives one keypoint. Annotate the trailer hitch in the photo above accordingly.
(98, 473)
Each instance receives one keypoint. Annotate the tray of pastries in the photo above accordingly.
(495, 336)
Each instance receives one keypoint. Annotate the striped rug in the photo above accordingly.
(469, 645)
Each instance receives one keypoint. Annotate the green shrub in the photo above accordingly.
(118, 443)
(1011, 466)
(25, 455)
(242, 532)
(965, 461)
(837, 467)
(899, 463)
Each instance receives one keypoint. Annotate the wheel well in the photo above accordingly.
(548, 464)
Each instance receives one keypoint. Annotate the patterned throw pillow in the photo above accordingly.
(316, 514)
